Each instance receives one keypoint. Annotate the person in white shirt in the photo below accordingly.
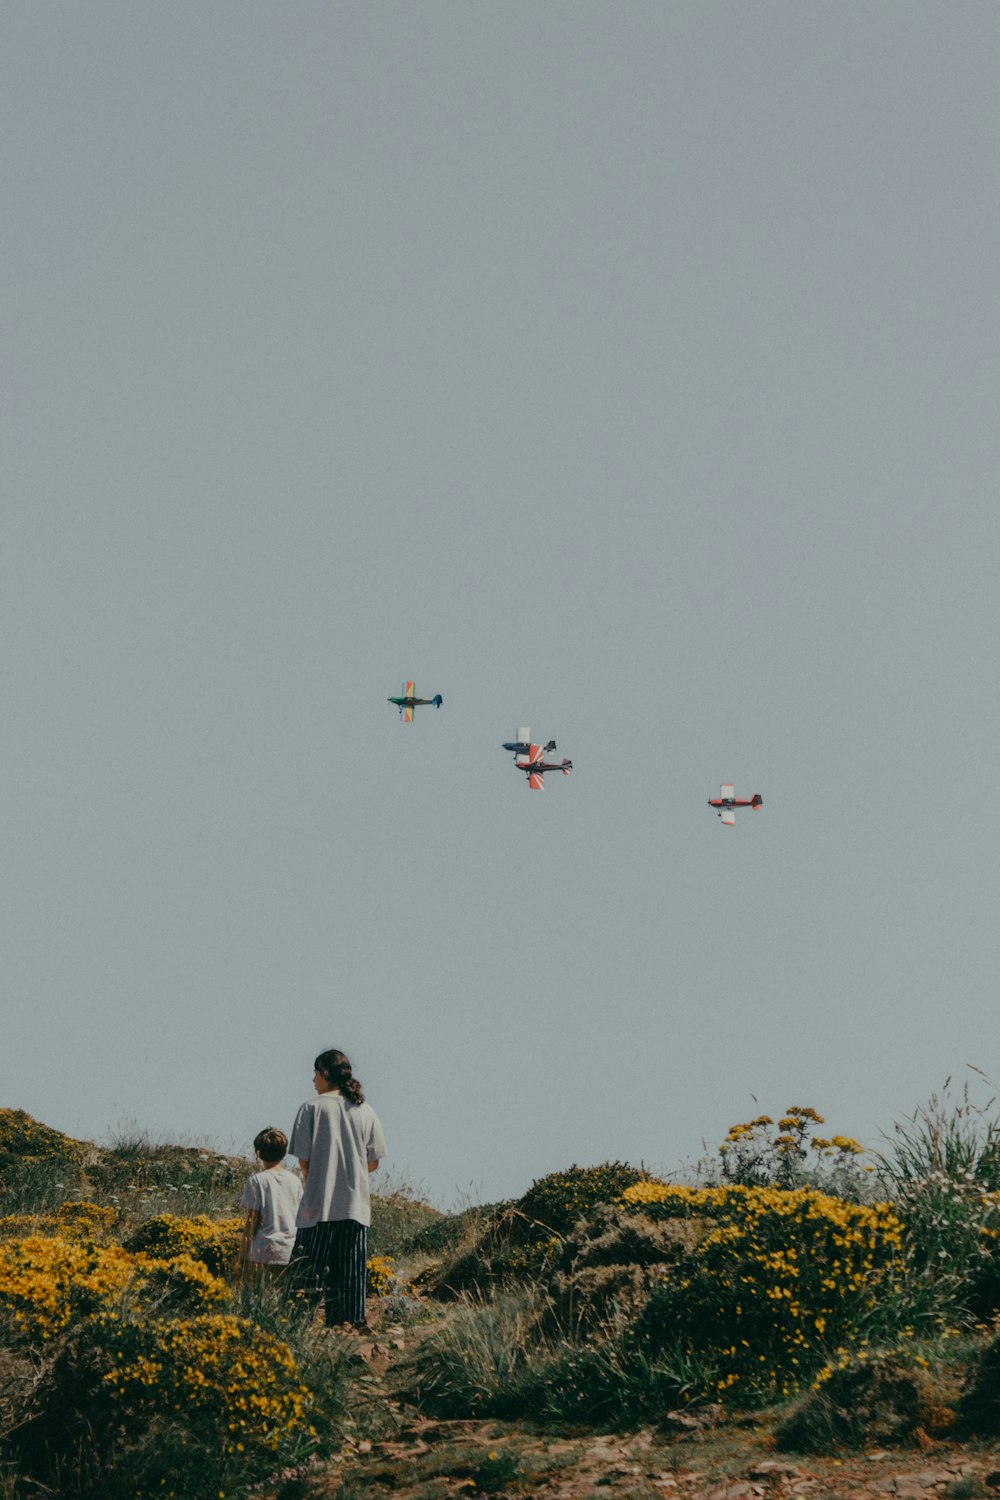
(271, 1199)
(338, 1140)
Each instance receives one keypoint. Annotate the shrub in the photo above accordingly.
(786, 1154)
(74, 1220)
(383, 1278)
(877, 1399)
(943, 1170)
(138, 1403)
(519, 1242)
(181, 1283)
(609, 1264)
(472, 1364)
(558, 1201)
(165, 1236)
(46, 1281)
(21, 1135)
(446, 1233)
(398, 1218)
(775, 1280)
(979, 1409)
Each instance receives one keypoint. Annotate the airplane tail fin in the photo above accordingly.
(437, 700)
(567, 766)
(757, 801)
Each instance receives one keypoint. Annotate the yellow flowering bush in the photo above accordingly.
(72, 1220)
(213, 1368)
(21, 1135)
(165, 1236)
(48, 1281)
(181, 1281)
(45, 1281)
(155, 1406)
(776, 1278)
(561, 1199)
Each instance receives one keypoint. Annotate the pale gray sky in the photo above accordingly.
(628, 371)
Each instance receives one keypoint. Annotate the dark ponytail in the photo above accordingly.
(336, 1069)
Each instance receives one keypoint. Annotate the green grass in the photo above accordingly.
(515, 1349)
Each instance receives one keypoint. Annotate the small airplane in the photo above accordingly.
(726, 804)
(534, 765)
(522, 743)
(406, 703)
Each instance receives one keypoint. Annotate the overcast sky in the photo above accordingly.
(624, 370)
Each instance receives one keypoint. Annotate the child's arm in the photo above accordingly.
(250, 1226)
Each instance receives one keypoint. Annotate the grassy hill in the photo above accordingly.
(797, 1297)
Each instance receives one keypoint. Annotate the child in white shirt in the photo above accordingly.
(271, 1199)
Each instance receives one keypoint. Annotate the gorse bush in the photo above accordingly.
(47, 1281)
(776, 1279)
(243, 1383)
(559, 1200)
(129, 1401)
(871, 1397)
(520, 1241)
(21, 1135)
(167, 1235)
(73, 1220)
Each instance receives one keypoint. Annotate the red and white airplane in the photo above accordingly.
(726, 804)
(534, 765)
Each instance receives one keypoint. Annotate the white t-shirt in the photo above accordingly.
(338, 1139)
(275, 1195)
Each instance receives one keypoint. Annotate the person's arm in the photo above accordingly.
(250, 1226)
(373, 1165)
(304, 1168)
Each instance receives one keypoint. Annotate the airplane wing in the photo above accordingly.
(728, 816)
(726, 792)
(536, 781)
(535, 753)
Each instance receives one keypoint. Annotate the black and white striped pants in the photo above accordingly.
(328, 1265)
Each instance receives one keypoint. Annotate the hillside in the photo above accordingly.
(800, 1320)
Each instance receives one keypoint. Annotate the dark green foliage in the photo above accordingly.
(444, 1233)
(475, 1363)
(399, 1219)
(608, 1380)
(166, 1235)
(189, 1170)
(610, 1263)
(877, 1400)
(519, 1242)
(979, 1408)
(21, 1135)
(561, 1199)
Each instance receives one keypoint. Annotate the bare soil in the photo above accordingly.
(420, 1458)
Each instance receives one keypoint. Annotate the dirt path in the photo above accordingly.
(427, 1459)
